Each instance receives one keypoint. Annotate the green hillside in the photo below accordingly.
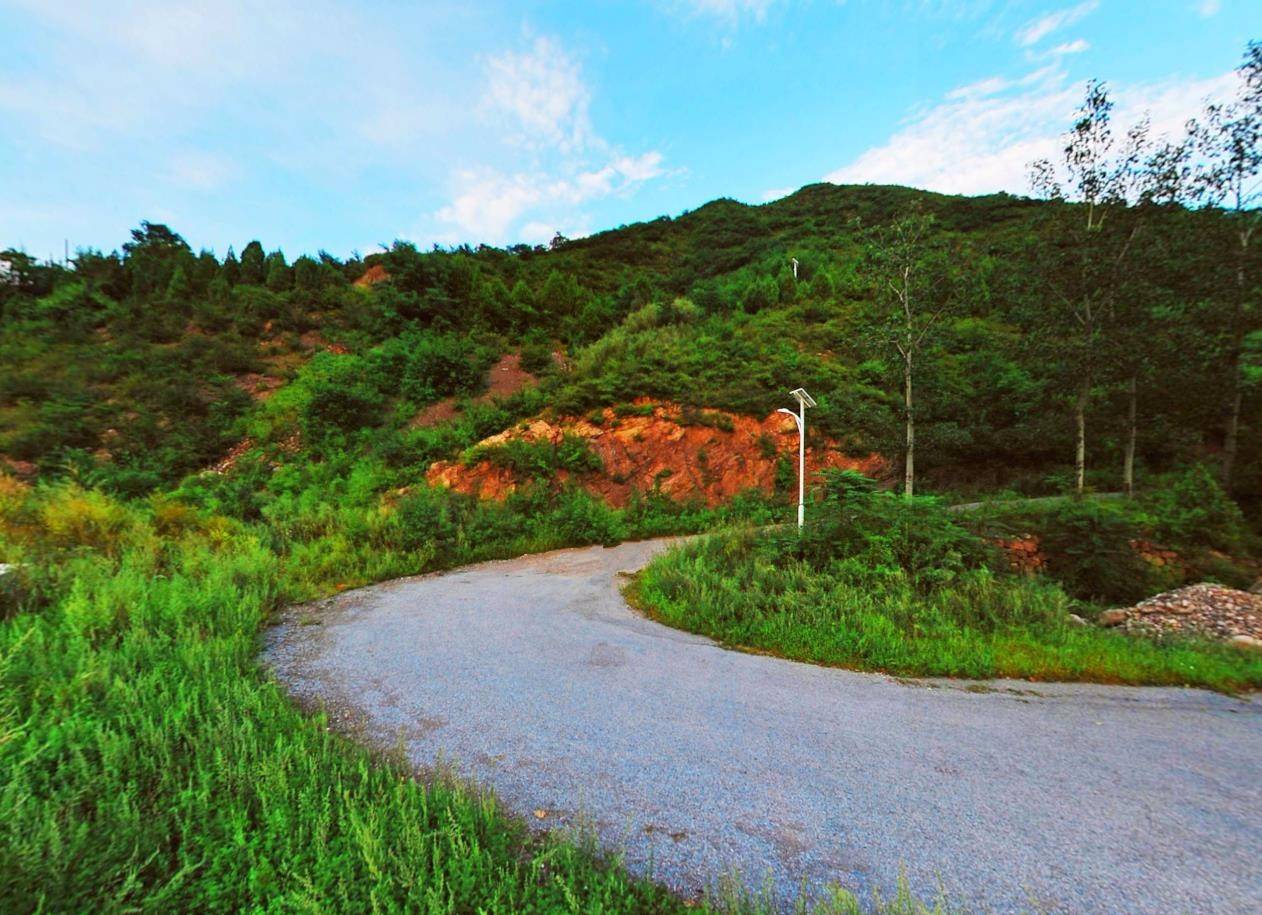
(130, 370)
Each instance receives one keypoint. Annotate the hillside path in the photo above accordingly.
(534, 678)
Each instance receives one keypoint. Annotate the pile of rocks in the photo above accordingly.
(1207, 610)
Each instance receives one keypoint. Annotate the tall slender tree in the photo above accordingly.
(1088, 241)
(1226, 139)
(909, 282)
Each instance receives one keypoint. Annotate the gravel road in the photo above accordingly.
(533, 677)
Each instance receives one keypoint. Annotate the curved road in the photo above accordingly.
(532, 676)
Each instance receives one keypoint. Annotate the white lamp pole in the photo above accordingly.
(804, 400)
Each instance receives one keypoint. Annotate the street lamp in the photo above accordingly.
(804, 400)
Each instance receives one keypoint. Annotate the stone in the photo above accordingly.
(1256, 587)
(1247, 642)
(1076, 620)
(1114, 617)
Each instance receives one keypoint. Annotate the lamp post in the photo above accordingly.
(804, 400)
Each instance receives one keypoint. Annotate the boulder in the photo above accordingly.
(1114, 617)
(1247, 642)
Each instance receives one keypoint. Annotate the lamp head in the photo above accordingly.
(806, 400)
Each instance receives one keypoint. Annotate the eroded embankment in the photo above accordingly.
(684, 453)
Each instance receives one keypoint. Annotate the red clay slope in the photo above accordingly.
(711, 456)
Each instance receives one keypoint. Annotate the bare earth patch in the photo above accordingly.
(504, 379)
(711, 455)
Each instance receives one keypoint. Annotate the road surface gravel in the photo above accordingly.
(533, 677)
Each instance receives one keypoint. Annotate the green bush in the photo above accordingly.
(880, 529)
(538, 458)
(1190, 509)
(338, 398)
(1088, 549)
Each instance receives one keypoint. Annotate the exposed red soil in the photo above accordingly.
(372, 276)
(1024, 553)
(504, 379)
(1158, 556)
(684, 460)
(22, 470)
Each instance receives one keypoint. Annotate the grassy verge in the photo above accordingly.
(147, 763)
(902, 589)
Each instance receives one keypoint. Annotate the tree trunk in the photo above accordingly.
(1080, 444)
(909, 468)
(1235, 392)
(1128, 461)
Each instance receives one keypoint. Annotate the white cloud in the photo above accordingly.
(976, 142)
(539, 100)
(1077, 46)
(489, 204)
(148, 70)
(776, 193)
(979, 89)
(1038, 29)
(1207, 8)
(542, 93)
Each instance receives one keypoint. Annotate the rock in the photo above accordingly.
(1076, 620)
(1256, 587)
(1247, 642)
(1114, 617)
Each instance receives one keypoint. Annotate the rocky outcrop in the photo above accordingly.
(706, 455)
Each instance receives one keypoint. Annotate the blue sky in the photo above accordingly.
(322, 124)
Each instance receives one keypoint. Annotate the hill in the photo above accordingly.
(131, 370)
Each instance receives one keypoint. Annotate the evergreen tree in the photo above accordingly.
(231, 269)
(278, 277)
(253, 264)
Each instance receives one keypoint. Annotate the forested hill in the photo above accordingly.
(133, 369)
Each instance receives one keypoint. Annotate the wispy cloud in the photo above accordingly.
(730, 12)
(496, 207)
(542, 94)
(1036, 30)
(539, 101)
(1077, 46)
(1207, 8)
(982, 140)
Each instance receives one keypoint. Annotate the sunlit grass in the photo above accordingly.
(739, 590)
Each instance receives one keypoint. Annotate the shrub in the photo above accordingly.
(881, 529)
(582, 518)
(1088, 548)
(338, 399)
(72, 517)
(440, 366)
(1191, 509)
(538, 458)
(431, 518)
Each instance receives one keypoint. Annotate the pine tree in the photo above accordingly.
(253, 263)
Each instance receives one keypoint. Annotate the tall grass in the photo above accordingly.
(147, 763)
(865, 609)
